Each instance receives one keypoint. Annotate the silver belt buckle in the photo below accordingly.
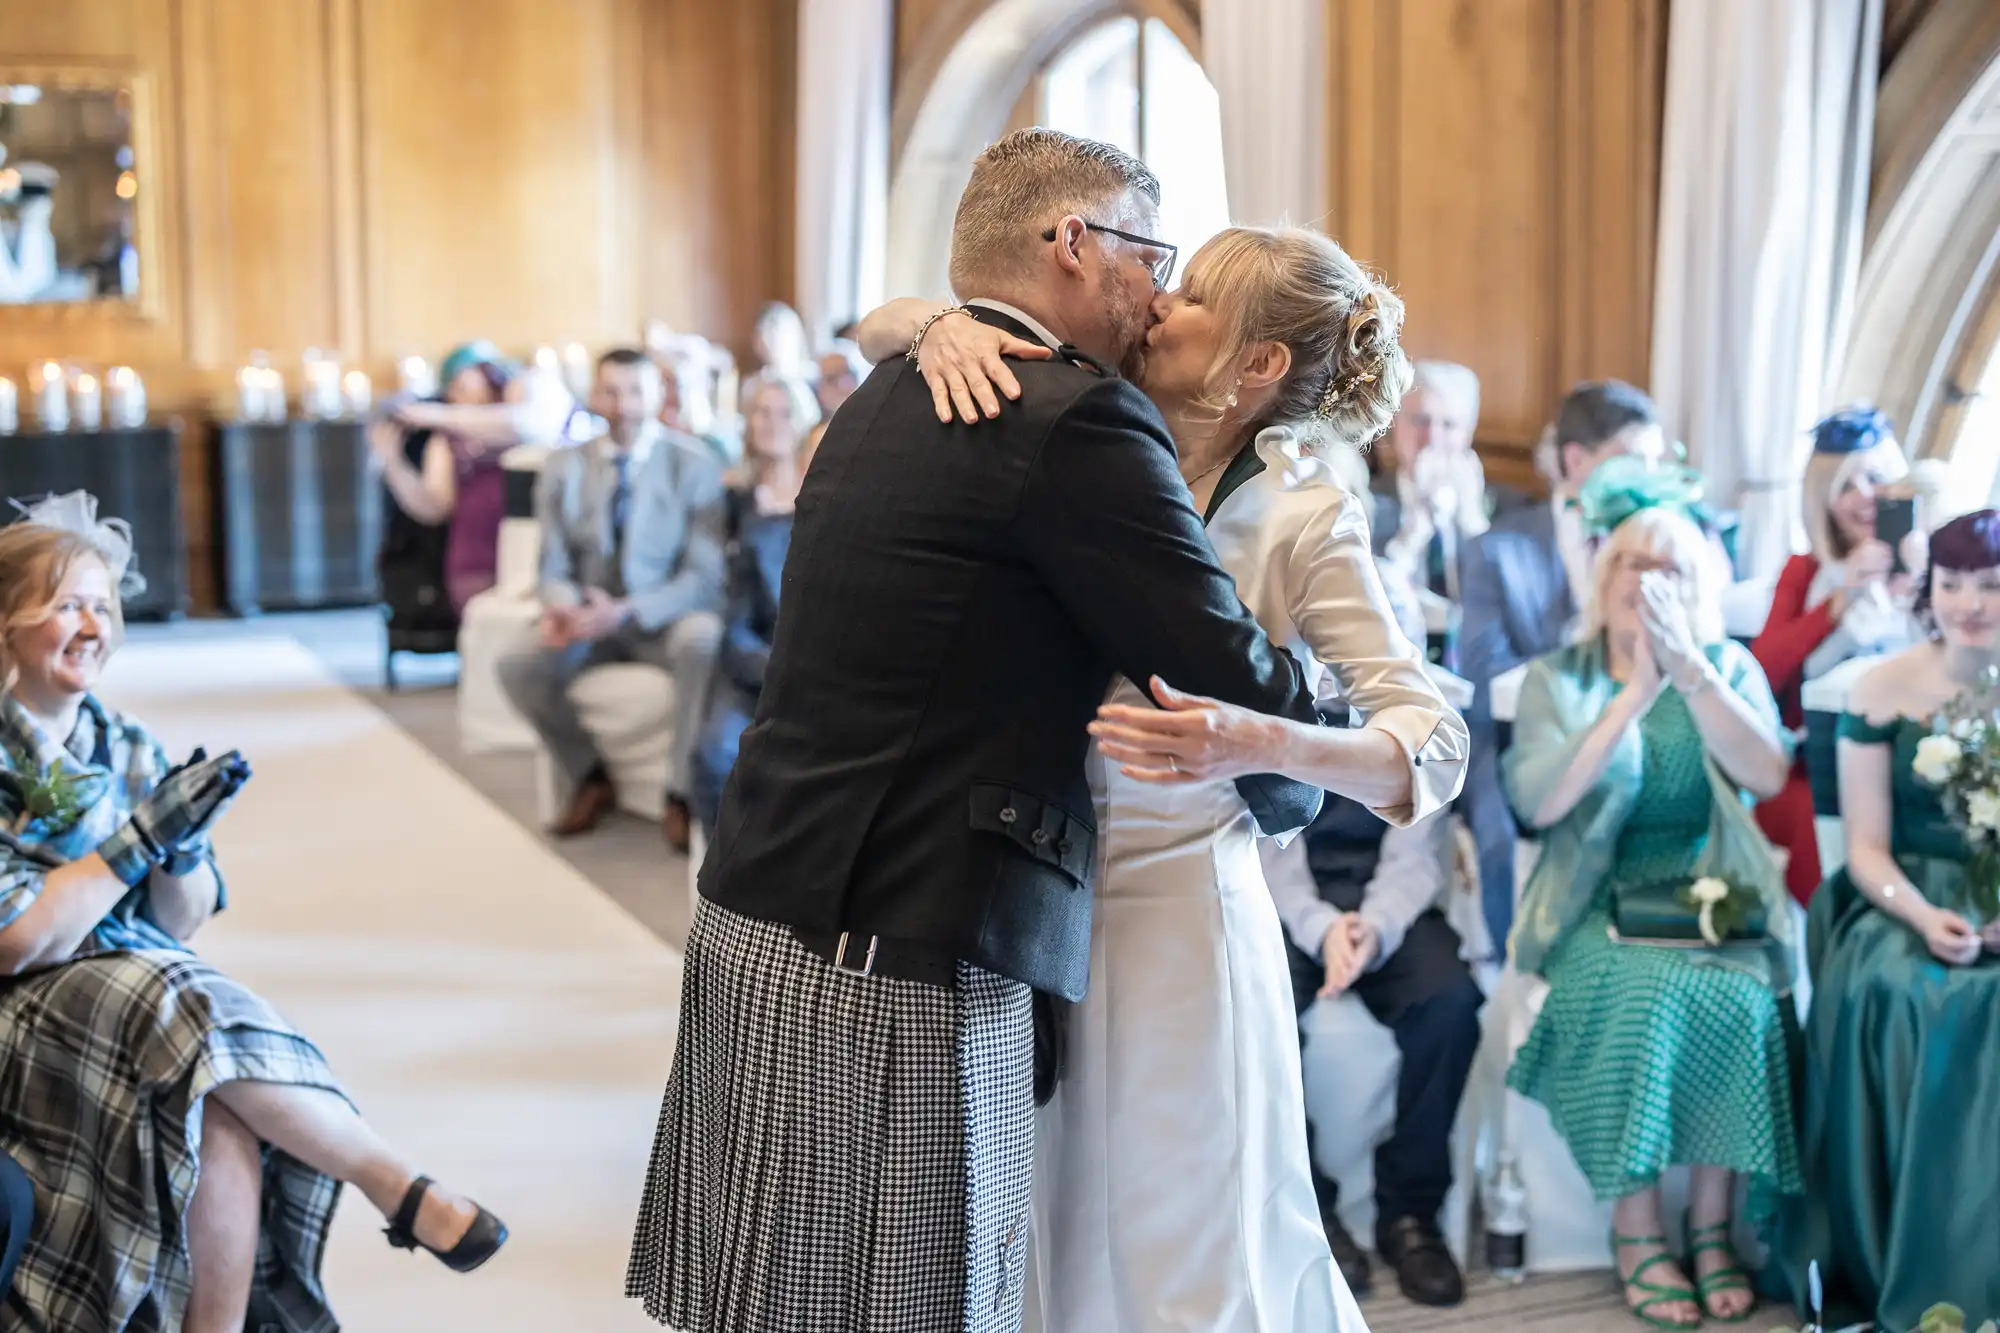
(840, 957)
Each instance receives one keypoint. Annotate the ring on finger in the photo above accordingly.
(1173, 764)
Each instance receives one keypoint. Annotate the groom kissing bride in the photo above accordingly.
(899, 897)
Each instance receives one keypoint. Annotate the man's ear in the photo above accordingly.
(1068, 244)
(1265, 364)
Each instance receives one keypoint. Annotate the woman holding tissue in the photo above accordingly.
(186, 1144)
(1656, 911)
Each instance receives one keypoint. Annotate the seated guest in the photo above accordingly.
(688, 368)
(1633, 750)
(1523, 585)
(187, 1144)
(632, 561)
(459, 480)
(1434, 499)
(1902, 1092)
(841, 370)
(760, 533)
(1360, 905)
(1835, 602)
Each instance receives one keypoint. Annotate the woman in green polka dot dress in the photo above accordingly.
(1902, 1083)
(1636, 753)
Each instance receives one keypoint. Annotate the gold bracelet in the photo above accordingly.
(917, 343)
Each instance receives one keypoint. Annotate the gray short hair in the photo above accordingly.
(1023, 183)
(1454, 381)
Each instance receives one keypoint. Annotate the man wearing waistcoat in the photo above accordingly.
(631, 571)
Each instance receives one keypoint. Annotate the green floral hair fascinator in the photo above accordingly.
(1621, 487)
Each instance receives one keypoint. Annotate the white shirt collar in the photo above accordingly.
(1020, 316)
(1572, 547)
(650, 434)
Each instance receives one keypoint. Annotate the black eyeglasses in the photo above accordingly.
(1163, 269)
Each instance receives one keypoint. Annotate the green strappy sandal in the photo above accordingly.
(1655, 1293)
(1732, 1278)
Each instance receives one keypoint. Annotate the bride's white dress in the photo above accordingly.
(1172, 1189)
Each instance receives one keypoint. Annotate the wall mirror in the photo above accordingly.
(74, 187)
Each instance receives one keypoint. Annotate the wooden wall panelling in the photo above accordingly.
(113, 36)
(720, 97)
(1498, 159)
(485, 185)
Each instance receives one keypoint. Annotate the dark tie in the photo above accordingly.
(621, 499)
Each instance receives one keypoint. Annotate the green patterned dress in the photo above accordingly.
(1651, 1057)
(1902, 1082)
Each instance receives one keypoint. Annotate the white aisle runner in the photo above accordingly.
(504, 1025)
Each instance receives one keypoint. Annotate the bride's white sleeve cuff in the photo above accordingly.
(1435, 745)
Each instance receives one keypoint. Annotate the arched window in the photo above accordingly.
(1131, 83)
(1117, 70)
(1924, 337)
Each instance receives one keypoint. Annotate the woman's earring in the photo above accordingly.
(1231, 402)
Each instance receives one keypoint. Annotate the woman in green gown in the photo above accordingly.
(1902, 1106)
(1633, 753)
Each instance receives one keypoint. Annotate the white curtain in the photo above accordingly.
(1770, 121)
(1267, 60)
(846, 50)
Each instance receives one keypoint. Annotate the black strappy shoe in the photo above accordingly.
(481, 1241)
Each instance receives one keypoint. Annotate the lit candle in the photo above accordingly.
(546, 359)
(127, 398)
(319, 396)
(89, 402)
(51, 391)
(274, 394)
(576, 369)
(358, 393)
(10, 407)
(415, 377)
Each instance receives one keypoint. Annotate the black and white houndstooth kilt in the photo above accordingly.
(104, 1062)
(837, 1153)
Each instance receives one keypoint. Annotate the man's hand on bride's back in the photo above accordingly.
(964, 362)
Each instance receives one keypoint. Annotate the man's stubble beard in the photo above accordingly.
(1126, 322)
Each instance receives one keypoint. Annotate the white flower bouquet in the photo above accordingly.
(1961, 758)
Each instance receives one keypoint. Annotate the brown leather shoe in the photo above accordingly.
(677, 825)
(594, 799)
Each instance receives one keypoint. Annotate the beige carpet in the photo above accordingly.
(502, 1022)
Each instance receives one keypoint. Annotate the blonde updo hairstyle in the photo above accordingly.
(35, 562)
(1343, 327)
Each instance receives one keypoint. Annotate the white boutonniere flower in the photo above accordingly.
(1709, 893)
(1938, 758)
(1982, 808)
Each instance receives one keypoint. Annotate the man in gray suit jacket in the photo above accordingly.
(632, 569)
(1525, 584)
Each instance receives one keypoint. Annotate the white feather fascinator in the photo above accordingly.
(111, 538)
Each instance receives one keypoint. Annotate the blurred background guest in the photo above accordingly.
(1839, 600)
(780, 349)
(1903, 1044)
(841, 370)
(760, 534)
(1431, 497)
(1524, 584)
(689, 366)
(1632, 751)
(455, 477)
(632, 565)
